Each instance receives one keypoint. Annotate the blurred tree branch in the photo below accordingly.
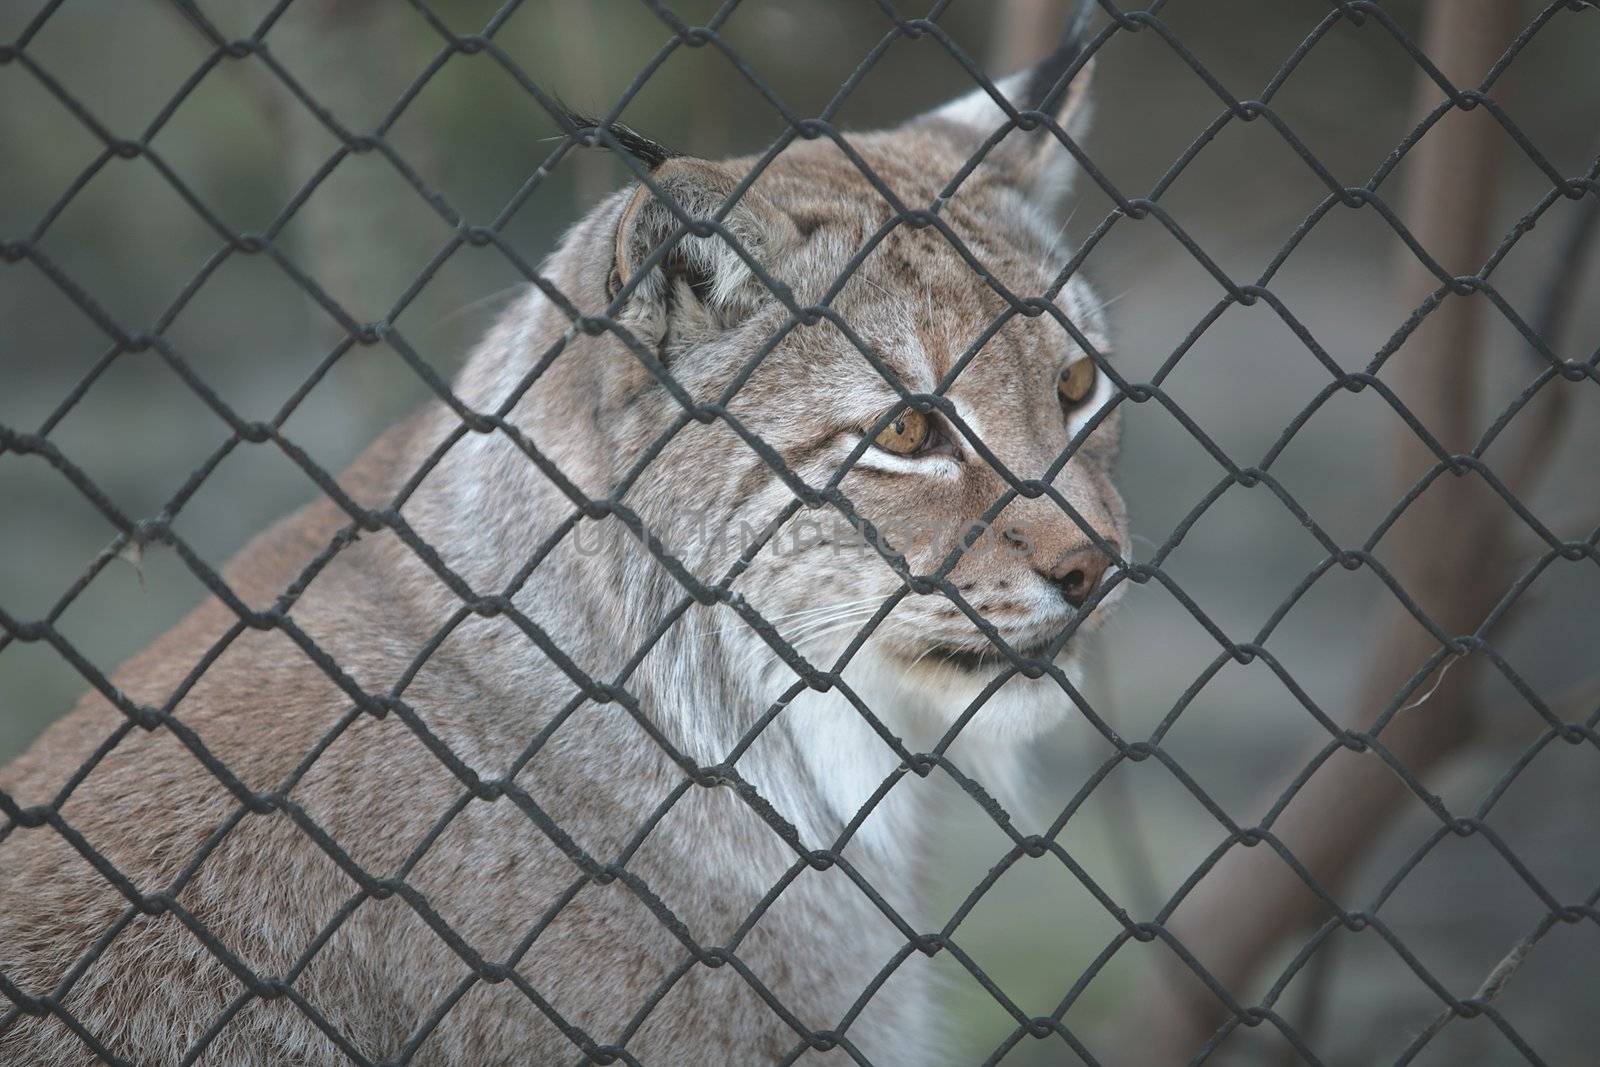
(1025, 32)
(1450, 551)
(1533, 435)
(1494, 983)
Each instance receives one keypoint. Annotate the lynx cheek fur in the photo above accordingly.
(498, 691)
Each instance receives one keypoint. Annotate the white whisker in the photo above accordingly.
(815, 631)
(1055, 241)
(905, 678)
(478, 303)
(1107, 303)
(808, 630)
(811, 627)
(872, 601)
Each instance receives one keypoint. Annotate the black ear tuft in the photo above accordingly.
(1041, 91)
(651, 153)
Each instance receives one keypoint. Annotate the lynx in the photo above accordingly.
(544, 760)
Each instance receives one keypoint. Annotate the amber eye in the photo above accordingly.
(1076, 382)
(905, 435)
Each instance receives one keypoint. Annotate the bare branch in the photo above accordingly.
(1026, 30)
(1252, 900)
(1532, 437)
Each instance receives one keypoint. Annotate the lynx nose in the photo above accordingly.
(1078, 573)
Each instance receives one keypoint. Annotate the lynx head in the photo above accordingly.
(937, 363)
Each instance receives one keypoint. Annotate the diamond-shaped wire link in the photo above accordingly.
(471, 602)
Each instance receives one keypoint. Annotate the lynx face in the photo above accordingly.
(928, 478)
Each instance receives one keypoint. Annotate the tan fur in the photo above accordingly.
(271, 883)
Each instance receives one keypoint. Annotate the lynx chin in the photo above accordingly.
(498, 864)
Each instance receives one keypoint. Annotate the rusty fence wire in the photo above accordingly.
(123, 339)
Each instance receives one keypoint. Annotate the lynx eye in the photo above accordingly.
(1077, 382)
(906, 435)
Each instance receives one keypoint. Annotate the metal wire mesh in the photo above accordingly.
(256, 48)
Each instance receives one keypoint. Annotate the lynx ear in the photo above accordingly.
(1037, 160)
(700, 287)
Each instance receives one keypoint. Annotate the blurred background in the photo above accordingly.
(245, 147)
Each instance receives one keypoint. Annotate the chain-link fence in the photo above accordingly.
(1446, 545)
